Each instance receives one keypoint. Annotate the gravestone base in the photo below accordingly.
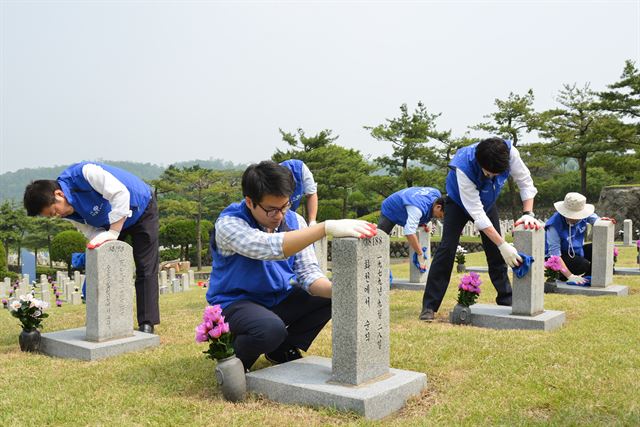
(407, 285)
(72, 344)
(500, 317)
(613, 290)
(478, 269)
(626, 271)
(306, 381)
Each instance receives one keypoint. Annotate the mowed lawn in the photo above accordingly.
(582, 374)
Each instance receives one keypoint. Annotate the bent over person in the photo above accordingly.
(477, 174)
(305, 186)
(107, 203)
(265, 273)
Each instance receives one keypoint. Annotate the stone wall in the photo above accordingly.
(621, 202)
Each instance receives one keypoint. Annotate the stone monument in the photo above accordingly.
(358, 377)
(109, 307)
(417, 280)
(321, 248)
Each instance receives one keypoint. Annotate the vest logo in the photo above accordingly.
(96, 210)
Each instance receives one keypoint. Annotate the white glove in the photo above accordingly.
(422, 261)
(350, 228)
(103, 237)
(312, 223)
(529, 223)
(578, 280)
(510, 254)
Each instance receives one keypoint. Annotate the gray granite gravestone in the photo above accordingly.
(417, 280)
(601, 266)
(627, 225)
(528, 310)
(185, 281)
(109, 299)
(176, 286)
(4, 287)
(172, 275)
(192, 278)
(321, 248)
(358, 378)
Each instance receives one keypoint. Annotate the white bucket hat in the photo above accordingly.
(574, 206)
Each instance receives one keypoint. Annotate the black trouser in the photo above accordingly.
(146, 255)
(578, 264)
(295, 322)
(385, 224)
(442, 263)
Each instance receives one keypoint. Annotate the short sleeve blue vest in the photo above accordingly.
(394, 206)
(237, 277)
(489, 188)
(91, 207)
(295, 166)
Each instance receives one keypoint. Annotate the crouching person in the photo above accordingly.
(265, 273)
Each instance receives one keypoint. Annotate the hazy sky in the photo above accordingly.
(164, 81)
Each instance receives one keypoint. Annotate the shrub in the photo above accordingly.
(66, 243)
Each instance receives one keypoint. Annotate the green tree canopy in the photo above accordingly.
(64, 244)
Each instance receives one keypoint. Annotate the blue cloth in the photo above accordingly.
(91, 207)
(295, 166)
(237, 277)
(587, 283)
(522, 270)
(415, 260)
(394, 207)
(489, 188)
(78, 260)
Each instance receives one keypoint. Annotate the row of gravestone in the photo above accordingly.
(169, 282)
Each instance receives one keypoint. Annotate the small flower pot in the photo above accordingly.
(460, 315)
(550, 287)
(461, 268)
(231, 379)
(29, 340)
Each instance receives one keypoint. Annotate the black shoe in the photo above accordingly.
(505, 301)
(427, 315)
(146, 328)
(278, 356)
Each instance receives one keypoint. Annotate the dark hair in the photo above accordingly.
(39, 195)
(493, 155)
(267, 178)
(439, 201)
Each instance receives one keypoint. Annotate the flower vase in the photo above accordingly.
(29, 340)
(460, 315)
(550, 286)
(461, 268)
(231, 378)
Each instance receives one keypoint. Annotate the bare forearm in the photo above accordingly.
(312, 206)
(414, 243)
(117, 226)
(493, 235)
(527, 205)
(321, 288)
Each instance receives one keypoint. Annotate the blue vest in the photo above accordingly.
(394, 206)
(236, 277)
(295, 166)
(489, 188)
(91, 207)
(559, 223)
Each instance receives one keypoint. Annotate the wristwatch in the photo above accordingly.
(530, 213)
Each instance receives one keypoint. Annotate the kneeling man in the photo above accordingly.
(265, 273)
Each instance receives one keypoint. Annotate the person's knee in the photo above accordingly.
(272, 333)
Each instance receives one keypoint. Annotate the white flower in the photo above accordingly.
(37, 313)
(15, 305)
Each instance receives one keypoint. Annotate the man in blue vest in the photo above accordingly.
(265, 273)
(106, 203)
(564, 236)
(411, 208)
(305, 186)
(477, 174)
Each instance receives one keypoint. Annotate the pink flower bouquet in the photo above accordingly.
(469, 289)
(615, 254)
(215, 330)
(552, 268)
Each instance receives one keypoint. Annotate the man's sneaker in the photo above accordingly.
(427, 315)
(279, 356)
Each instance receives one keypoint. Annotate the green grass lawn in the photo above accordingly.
(582, 374)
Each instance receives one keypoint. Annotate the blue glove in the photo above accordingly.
(415, 260)
(521, 270)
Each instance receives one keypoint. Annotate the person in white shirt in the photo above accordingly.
(107, 203)
(477, 174)
(305, 186)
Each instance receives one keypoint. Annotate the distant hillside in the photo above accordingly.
(12, 184)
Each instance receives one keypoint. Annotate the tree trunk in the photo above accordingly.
(49, 249)
(513, 195)
(344, 206)
(186, 252)
(199, 235)
(582, 162)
